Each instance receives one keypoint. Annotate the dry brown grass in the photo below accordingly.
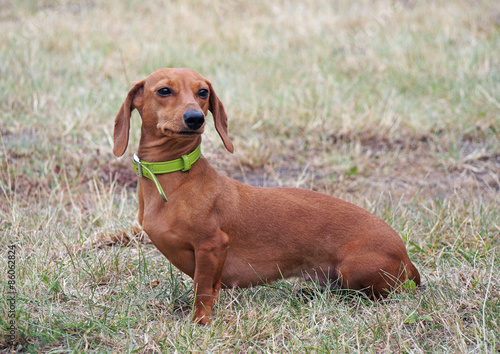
(393, 105)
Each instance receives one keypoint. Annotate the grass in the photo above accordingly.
(393, 105)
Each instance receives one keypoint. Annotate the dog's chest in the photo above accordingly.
(171, 243)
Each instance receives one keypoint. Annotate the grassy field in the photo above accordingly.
(392, 105)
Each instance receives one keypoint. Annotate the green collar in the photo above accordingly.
(150, 169)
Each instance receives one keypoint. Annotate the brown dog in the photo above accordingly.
(221, 232)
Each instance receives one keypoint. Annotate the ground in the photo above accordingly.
(392, 105)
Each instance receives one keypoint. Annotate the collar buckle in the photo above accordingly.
(138, 163)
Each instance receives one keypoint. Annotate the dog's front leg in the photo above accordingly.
(209, 258)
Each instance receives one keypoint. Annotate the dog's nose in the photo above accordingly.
(194, 119)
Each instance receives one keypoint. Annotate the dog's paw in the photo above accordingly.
(203, 321)
(305, 295)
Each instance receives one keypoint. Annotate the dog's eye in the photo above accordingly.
(164, 92)
(203, 93)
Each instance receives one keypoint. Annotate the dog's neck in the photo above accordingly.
(165, 148)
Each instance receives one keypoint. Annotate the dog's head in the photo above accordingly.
(173, 103)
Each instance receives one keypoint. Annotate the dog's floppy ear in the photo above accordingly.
(122, 120)
(220, 118)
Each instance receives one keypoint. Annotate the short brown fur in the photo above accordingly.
(223, 233)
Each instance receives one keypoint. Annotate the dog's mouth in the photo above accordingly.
(170, 132)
